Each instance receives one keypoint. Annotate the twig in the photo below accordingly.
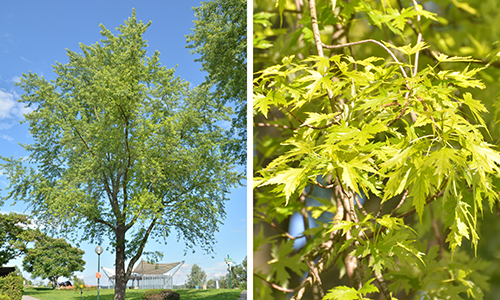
(360, 205)
(306, 283)
(383, 285)
(271, 125)
(317, 279)
(324, 186)
(315, 28)
(317, 36)
(304, 213)
(275, 286)
(419, 38)
(403, 199)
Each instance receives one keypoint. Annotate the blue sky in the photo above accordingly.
(35, 34)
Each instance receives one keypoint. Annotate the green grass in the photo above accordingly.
(105, 294)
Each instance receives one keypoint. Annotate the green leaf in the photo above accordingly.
(419, 190)
(368, 287)
(292, 178)
(342, 293)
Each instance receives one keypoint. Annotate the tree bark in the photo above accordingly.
(120, 276)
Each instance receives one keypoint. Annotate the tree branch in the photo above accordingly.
(273, 285)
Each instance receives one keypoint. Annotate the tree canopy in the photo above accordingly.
(15, 234)
(53, 258)
(122, 148)
(220, 37)
(196, 278)
(375, 133)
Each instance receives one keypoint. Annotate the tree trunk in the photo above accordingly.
(121, 277)
(54, 282)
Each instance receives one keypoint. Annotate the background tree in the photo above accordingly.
(52, 258)
(123, 149)
(220, 37)
(224, 282)
(239, 274)
(370, 135)
(14, 236)
(211, 283)
(196, 278)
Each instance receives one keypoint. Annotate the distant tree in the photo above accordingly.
(197, 277)
(238, 277)
(220, 37)
(123, 149)
(239, 274)
(53, 258)
(77, 281)
(210, 283)
(224, 282)
(14, 236)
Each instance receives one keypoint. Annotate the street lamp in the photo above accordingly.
(98, 250)
(229, 261)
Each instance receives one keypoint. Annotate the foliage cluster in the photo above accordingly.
(15, 236)
(220, 38)
(370, 135)
(11, 287)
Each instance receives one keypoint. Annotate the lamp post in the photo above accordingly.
(229, 261)
(98, 250)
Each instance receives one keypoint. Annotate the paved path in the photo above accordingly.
(31, 298)
(243, 296)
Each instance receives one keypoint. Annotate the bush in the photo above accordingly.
(160, 295)
(11, 287)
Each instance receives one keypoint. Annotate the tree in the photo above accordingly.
(197, 277)
(375, 142)
(220, 37)
(239, 274)
(210, 283)
(123, 149)
(53, 258)
(14, 236)
(224, 282)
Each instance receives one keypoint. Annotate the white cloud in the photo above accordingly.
(9, 108)
(7, 137)
(6, 125)
(217, 272)
(15, 79)
(26, 60)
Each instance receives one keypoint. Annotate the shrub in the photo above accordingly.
(160, 295)
(11, 287)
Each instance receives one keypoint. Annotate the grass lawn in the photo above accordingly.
(105, 294)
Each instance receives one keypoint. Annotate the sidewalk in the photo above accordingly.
(243, 296)
(31, 298)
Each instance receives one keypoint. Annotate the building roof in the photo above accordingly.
(145, 268)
